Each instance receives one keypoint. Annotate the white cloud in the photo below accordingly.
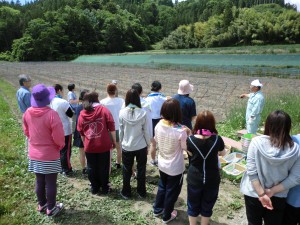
(296, 2)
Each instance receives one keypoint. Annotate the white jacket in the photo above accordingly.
(133, 131)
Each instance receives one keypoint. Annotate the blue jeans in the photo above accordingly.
(128, 160)
(169, 188)
(201, 200)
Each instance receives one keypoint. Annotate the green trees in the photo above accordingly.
(244, 26)
(10, 27)
(69, 32)
(63, 29)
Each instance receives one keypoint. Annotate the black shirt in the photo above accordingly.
(198, 174)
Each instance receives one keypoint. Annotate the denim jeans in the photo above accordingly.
(128, 159)
(169, 188)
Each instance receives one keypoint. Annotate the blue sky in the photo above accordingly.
(297, 2)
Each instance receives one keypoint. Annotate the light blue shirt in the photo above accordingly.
(255, 105)
(23, 97)
(72, 96)
(293, 197)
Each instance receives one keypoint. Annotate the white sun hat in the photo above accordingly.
(256, 83)
(185, 87)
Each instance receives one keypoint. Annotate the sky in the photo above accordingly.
(297, 2)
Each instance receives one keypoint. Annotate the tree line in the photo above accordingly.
(63, 29)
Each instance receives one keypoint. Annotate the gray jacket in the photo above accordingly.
(133, 132)
(271, 166)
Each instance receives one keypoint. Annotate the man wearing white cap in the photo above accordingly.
(254, 107)
(187, 104)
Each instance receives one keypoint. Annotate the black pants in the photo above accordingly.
(65, 155)
(128, 159)
(98, 170)
(256, 212)
(291, 215)
(169, 188)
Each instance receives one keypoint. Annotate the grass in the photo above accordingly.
(286, 101)
(262, 49)
(14, 178)
(18, 201)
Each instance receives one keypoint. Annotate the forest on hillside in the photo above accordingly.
(63, 29)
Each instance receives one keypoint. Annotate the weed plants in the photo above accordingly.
(18, 202)
(286, 101)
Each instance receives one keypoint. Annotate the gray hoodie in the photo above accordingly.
(271, 166)
(134, 134)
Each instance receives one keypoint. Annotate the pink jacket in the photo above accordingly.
(45, 133)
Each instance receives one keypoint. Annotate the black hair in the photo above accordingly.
(278, 126)
(82, 94)
(133, 97)
(138, 87)
(71, 87)
(58, 87)
(155, 86)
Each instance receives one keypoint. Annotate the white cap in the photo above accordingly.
(256, 83)
(185, 87)
(114, 81)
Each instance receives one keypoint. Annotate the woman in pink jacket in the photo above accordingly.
(45, 133)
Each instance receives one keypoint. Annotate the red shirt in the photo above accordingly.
(95, 127)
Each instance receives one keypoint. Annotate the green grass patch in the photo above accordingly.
(18, 202)
(261, 49)
(15, 181)
(286, 101)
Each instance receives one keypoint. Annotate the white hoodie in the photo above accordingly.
(133, 132)
(271, 166)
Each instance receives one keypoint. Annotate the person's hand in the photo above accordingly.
(187, 130)
(266, 202)
(113, 145)
(269, 192)
(242, 95)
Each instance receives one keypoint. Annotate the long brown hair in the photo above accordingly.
(278, 126)
(205, 120)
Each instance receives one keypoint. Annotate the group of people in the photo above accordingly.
(135, 125)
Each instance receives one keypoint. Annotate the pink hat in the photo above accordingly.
(185, 87)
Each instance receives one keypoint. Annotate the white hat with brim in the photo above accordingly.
(256, 83)
(185, 87)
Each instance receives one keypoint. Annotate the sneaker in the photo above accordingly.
(67, 173)
(158, 214)
(173, 216)
(42, 209)
(93, 191)
(56, 210)
(140, 195)
(153, 162)
(110, 190)
(118, 165)
(124, 196)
